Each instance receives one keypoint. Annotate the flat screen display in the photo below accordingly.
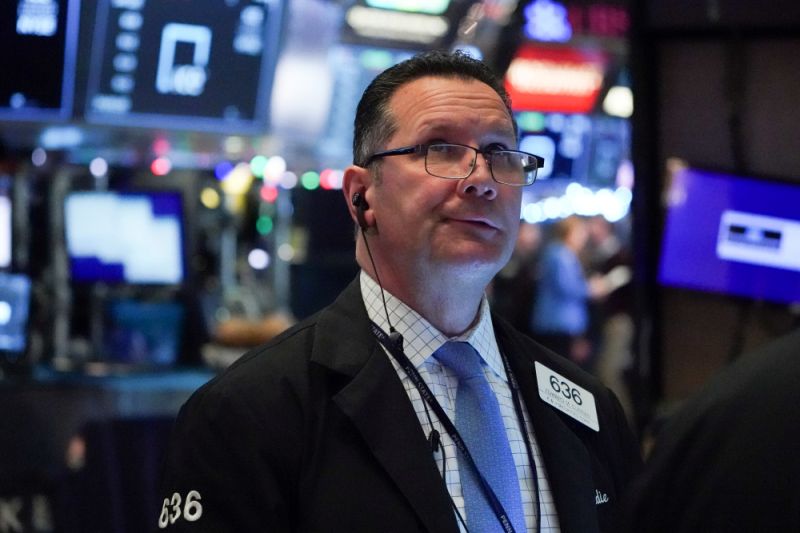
(6, 222)
(352, 68)
(142, 332)
(38, 39)
(732, 234)
(125, 237)
(191, 64)
(15, 293)
(584, 148)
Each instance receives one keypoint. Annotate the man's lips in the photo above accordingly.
(476, 220)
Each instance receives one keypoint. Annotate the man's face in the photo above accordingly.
(429, 225)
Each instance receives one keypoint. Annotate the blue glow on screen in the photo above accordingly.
(732, 235)
(134, 238)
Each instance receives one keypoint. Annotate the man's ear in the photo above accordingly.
(355, 183)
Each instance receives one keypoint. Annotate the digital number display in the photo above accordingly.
(203, 65)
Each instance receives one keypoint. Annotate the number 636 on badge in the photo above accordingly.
(566, 396)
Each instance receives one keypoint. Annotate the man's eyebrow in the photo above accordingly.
(439, 127)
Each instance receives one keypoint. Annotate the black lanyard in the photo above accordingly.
(427, 396)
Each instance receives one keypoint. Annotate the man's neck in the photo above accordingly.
(449, 305)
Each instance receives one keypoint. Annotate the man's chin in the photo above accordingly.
(476, 265)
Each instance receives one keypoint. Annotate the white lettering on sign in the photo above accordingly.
(557, 78)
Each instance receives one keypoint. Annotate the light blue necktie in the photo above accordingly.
(480, 424)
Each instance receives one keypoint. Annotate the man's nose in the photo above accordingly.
(480, 182)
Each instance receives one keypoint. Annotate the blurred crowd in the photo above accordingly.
(568, 285)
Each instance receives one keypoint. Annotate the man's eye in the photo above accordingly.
(494, 147)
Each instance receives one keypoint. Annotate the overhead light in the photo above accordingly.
(431, 7)
(396, 25)
(619, 101)
(61, 137)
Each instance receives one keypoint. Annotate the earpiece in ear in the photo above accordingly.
(361, 205)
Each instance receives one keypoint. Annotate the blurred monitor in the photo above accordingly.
(353, 68)
(142, 332)
(15, 293)
(6, 222)
(38, 40)
(178, 64)
(125, 237)
(732, 234)
(576, 147)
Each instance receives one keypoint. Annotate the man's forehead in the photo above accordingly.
(449, 125)
(438, 103)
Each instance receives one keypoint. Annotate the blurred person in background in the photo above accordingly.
(610, 317)
(513, 290)
(560, 318)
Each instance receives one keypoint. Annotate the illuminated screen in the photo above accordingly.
(353, 68)
(432, 7)
(131, 237)
(183, 64)
(584, 148)
(399, 23)
(15, 291)
(5, 224)
(732, 234)
(37, 54)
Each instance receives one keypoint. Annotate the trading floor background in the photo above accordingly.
(170, 196)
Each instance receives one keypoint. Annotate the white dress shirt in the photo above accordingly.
(420, 341)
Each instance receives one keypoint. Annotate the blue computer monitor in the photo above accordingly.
(732, 234)
(132, 237)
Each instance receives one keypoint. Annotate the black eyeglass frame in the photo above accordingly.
(487, 155)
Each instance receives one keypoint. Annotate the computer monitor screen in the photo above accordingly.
(125, 237)
(178, 64)
(6, 222)
(38, 40)
(584, 148)
(15, 292)
(732, 234)
(142, 332)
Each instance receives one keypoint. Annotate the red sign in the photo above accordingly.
(599, 20)
(565, 80)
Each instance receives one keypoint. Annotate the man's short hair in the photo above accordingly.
(374, 123)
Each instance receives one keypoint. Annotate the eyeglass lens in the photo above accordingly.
(456, 161)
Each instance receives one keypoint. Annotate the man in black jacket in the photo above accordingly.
(341, 423)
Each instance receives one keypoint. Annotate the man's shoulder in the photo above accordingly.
(261, 370)
(336, 339)
(742, 395)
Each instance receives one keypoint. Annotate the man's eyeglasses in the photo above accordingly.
(457, 161)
